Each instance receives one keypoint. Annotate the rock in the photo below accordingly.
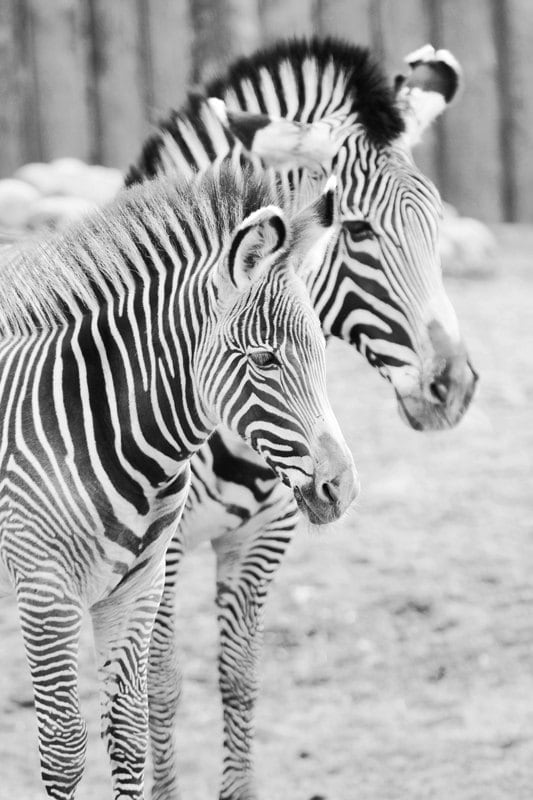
(467, 247)
(449, 211)
(70, 175)
(68, 166)
(16, 200)
(100, 184)
(73, 178)
(109, 174)
(41, 176)
(57, 212)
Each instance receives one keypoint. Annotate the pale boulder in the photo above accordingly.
(41, 176)
(467, 246)
(58, 212)
(16, 201)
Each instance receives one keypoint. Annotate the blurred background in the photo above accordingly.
(398, 657)
(86, 78)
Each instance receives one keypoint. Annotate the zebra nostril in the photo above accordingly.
(438, 391)
(329, 492)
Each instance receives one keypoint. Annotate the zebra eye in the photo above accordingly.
(265, 359)
(373, 359)
(358, 229)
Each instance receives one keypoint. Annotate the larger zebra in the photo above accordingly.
(123, 344)
(308, 108)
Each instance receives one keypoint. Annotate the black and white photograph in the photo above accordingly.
(266, 400)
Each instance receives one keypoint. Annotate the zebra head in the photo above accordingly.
(380, 289)
(261, 368)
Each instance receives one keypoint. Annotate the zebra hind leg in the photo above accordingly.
(164, 684)
(122, 627)
(242, 587)
(51, 624)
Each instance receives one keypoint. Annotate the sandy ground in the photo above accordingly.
(398, 660)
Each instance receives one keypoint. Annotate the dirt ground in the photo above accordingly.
(398, 660)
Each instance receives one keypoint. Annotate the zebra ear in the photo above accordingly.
(279, 141)
(257, 239)
(432, 83)
(313, 227)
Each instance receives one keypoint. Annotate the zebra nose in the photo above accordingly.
(452, 380)
(325, 500)
(340, 490)
(328, 491)
(438, 390)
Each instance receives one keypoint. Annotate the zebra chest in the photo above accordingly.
(94, 541)
(128, 546)
(231, 488)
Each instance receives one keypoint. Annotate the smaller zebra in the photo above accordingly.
(122, 345)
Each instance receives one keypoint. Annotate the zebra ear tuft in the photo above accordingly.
(257, 239)
(279, 141)
(313, 228)
(432, 84)
(327, 202)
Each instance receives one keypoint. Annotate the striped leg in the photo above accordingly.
(246, 567)
(51, 623)
(164, 684)
(122, 626)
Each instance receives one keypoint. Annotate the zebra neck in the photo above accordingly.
(143, 357)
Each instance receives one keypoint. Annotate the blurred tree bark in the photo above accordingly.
(517, 127)
(469, 148)
(168, 53)
(222, 30)
(11, 152)
(282, 18)
(119, 81)
(349, 19)
(59, 63)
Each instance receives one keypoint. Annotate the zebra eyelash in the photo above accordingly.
(264, 359)
(359, 229)
(374, 360)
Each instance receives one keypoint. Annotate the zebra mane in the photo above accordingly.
(195, 121)
(325, 67)
(41, 283)
(336, 74)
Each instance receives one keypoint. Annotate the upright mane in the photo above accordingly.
(313, 77)
(189, 139)
(41, 283)
(301, 79)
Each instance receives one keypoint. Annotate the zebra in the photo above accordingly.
(123, 344)
(305, 108)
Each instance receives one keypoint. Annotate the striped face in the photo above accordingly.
(382, 289)
(261, 372)
(304, 109)
(323, 106)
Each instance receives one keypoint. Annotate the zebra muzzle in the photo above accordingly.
(323, 501)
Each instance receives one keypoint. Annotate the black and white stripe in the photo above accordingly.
(123, 344)
(305, 109)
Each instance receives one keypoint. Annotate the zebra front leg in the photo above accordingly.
(164, 683)
(51, 623)
(245, 568)
(122, 627)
